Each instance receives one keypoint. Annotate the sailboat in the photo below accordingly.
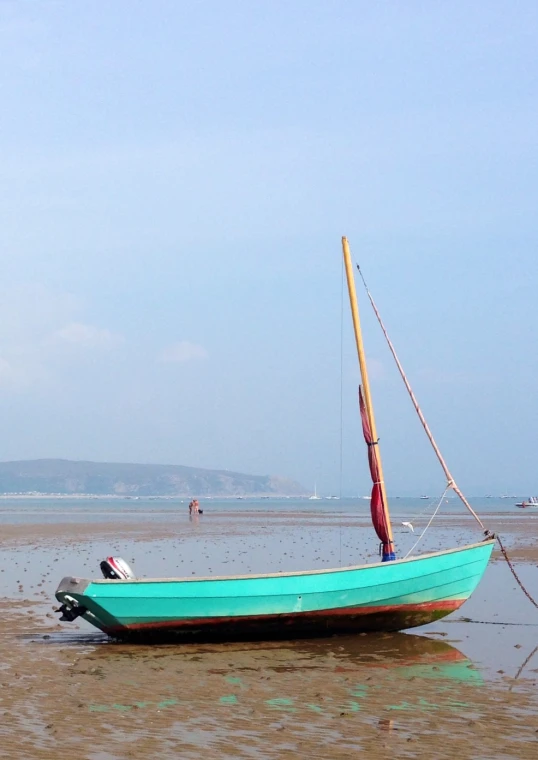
(390, 595)
(315, 494)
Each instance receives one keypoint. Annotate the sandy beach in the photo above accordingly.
(464, 687)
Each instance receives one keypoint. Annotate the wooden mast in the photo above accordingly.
(364, 376)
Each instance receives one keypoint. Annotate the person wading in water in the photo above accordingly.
(194, 508)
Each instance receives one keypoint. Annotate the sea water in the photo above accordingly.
(66, 509)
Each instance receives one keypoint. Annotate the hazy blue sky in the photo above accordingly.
(176, 177)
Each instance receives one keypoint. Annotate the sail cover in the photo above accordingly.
(377, 508)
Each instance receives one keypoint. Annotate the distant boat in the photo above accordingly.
(315, 494)
(424, 497)
(389, 595)
(532, 501)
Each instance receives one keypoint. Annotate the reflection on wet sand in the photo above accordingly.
(362, 665)
(320, 698)
(404, 654)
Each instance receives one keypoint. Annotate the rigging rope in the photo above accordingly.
(419, 539)
(451, 483)
(415, 517)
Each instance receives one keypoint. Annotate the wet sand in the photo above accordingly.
(464, 687)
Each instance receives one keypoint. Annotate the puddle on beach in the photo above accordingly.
(464, 687)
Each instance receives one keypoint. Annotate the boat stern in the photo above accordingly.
(75, 603)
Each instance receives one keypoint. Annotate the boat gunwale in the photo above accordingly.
(294, 573)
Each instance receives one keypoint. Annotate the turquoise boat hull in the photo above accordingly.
(388, 596)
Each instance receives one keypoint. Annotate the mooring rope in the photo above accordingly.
(516, 576)
(522, 667)
(501, 545)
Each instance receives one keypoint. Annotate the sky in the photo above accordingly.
(175, 180)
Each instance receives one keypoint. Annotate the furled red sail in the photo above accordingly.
(377, 508)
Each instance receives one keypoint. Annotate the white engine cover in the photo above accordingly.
(116, 568)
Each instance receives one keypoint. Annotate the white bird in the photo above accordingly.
(408, 525)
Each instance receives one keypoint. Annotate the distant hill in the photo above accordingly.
(62, 476)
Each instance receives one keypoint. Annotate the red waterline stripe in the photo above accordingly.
(448, 605)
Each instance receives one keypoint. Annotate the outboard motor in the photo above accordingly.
(116, 569)
(71, 610)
